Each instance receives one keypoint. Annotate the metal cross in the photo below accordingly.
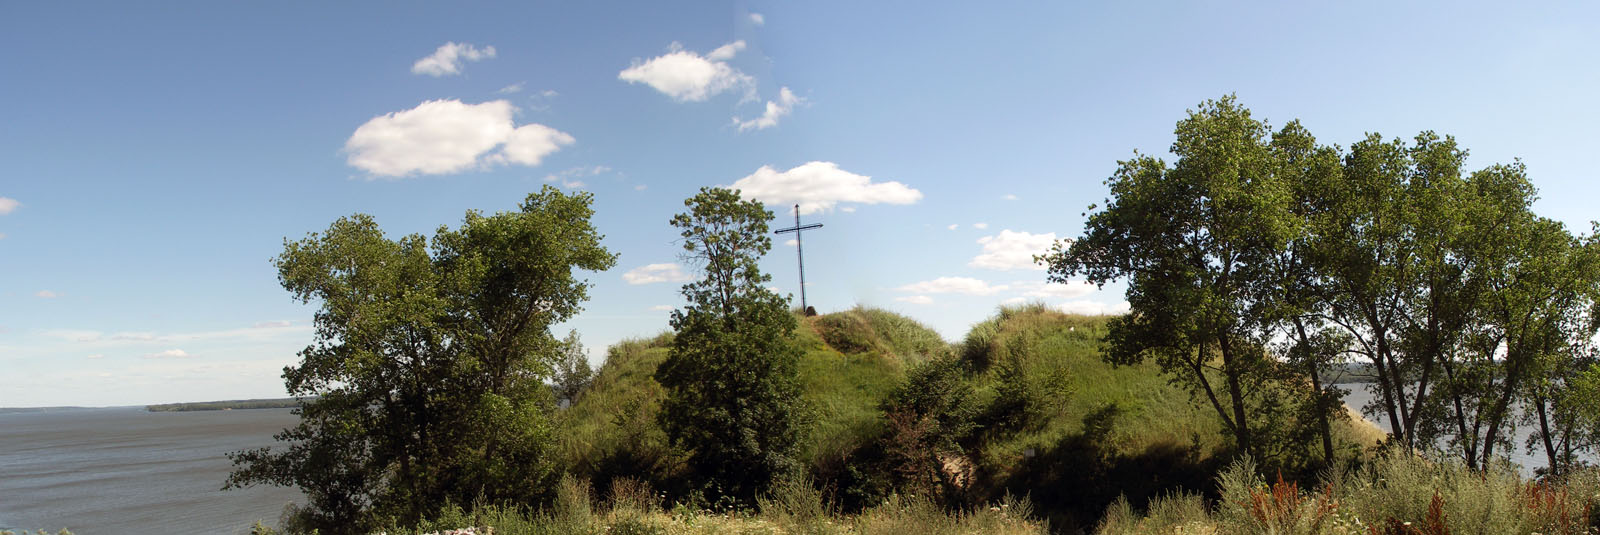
(801, 251)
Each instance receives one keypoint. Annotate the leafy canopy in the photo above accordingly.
(733, 395)
(428, 362)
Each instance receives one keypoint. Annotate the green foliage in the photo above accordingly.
(733, 399)
(572, 372)
(428, 364)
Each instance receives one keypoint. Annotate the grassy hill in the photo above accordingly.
(1049, 419)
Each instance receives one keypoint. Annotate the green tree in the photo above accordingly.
(572, 371)
(1193, 240)
(428, 363)
(733, 396)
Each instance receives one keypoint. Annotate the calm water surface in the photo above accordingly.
(126, 470)
(1359, 396)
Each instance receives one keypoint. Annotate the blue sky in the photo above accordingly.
(153, 157)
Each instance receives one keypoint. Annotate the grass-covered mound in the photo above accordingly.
(850, 361)
(1024, 406)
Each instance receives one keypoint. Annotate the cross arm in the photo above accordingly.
(797, 229)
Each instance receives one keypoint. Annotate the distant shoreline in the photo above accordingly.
(227, 405)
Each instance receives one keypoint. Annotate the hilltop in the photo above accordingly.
(1023, 405)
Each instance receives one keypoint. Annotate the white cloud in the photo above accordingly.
(549, 93)
(1012, 250)
(726, 52)
(447, 59)
(689, 77)
(8, 204)
(952, 285)
(259, 332)
(654, 273)
(513, 88)
(953, 226)
(818, 186)
(768, 119)
(530, 143)
(1054, 290)
(568, 178)
(661, 308)
(46, 294)
(758, 19)
(1009, 197)
(1093, 308)
(97, 356)
(915, 299)
(640, 187)
(2, 235)
(169, 354)
(447, 136)
(980, 226)
(792, 242)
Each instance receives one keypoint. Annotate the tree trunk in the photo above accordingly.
(1230, 368)
(1544, 433)
(1312, 363)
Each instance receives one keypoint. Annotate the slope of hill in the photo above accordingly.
(1046, 417)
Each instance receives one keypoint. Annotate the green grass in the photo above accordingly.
(1395, 493)
(791, 509)
(1100, 432)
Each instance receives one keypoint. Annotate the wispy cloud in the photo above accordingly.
(7, 205)
(513, 88)
(169, 354)
(655, 273)
(758, 19)
(915, 299)
(1010, 250)
(1093, 308)
(953, 285)
(46, 294)
(774, 111)
(446, 60)
(1053, 289)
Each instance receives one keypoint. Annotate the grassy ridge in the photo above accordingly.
(1094, 432)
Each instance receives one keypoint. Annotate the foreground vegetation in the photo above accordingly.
(1396, 494)
(631, 508)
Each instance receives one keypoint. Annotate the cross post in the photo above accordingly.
(801, 252)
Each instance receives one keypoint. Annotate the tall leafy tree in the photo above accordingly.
(427, 369)
(1193, 239)
(733, 397)
(573, 375)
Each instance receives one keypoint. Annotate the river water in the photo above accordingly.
(1359, 396)
(126, 470)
